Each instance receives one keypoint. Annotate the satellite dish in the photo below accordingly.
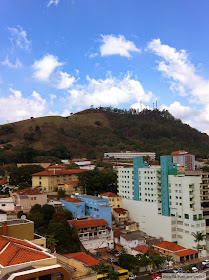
(23, 217)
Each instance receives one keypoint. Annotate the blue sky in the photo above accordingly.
(62, 56)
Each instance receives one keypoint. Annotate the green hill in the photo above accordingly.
(105, 130)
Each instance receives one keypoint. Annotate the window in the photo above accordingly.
(186, 216)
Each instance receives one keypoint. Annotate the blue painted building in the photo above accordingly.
(137, 163)
(76, 206)
(88, 205)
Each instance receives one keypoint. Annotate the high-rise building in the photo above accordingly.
(164, 203)
(185, 159)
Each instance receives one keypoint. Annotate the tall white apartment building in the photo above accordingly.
(164, 203)
(184, 159)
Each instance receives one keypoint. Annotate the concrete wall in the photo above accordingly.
(149, 221)
(20, 231)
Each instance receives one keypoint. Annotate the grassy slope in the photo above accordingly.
(117, 132)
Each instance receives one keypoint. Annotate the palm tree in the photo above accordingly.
(51, 242)
(198, 237)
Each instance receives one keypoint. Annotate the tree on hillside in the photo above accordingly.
(23, 174)
(96, 182)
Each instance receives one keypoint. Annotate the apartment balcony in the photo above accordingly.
(159, 199)
(207, 229)
(191, 202)
(159, 182)
(159, 187)
(205, 208)
(192, 208)
(159, 193)
(191, 189)
(191, 195)
(206, 217)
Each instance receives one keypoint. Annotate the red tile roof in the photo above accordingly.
(71, 199)
(14, 251)
(120, 210)
(109, 194)
(84, 258)
(28, 191)
(3, 182)
(59, 172)
(57, 166)
(142, 249)
(177, 153)
(72, 183)
(88, 223)
(186, 252)
(170, 246)
(118, 233)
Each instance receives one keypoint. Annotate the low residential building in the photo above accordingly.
(94, 233)
(140, 250)
(85, 164)
(56, 204)
(50, 180)
(25, 199)
(76, 206)
(120, 215)
(84, 258)
(20, 259)
(129, 155)
(177, 252)
(7, 204)
(185, 159)
(115, 200)
(3, 215)
(71, 188)
(132, 239)
(97, 207)
(22, 229)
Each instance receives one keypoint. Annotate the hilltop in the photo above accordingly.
(96, 131)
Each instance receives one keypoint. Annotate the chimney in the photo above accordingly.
(4, 229)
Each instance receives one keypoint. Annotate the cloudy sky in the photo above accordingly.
(62, 56)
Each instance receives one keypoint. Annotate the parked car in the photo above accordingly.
(132, 277)
(110, 260)
(177, 270)
(156, 276)
(205, 262)
(98, 254)
(194, 268)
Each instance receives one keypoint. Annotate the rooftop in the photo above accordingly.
(134, 235)
(71, 199)
(88, 223)
(15, 222)
(142, 249)
(118, 233)
(57, 166)
(186, 252)
(72, 183)
(178, 153)
(14, 251)
(28, 191)
(3, 182)
(120, 210)
(110, 194)
(84, 258)
(170, 246)
(59, 172)
(91, 197)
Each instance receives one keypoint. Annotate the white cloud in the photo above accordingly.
(20, 107)
(184, 79)
(53, 2)
(113, 45)
(110, 91)
(19, 35)
(65, 81)
(8, 63)
(93, 55)
(44, 67)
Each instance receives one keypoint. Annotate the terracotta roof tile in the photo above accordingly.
(14, 251)
(83, 257)
(28, 191)
(186, 252)
(59, 172)
(88, 223)
(71, 199)
(142, 249)
(3, 182)
(120, 210)
(177, 153)
(72, 183)
(110, 194)
(57, 166)
(118, 233)
(170, 246)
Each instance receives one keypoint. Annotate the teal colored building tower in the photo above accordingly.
(137, 163)
(167, 168)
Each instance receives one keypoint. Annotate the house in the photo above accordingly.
(177, 252)
(85, 164)
(56, 204)
(22, 229)
(84, 258)
(96, 207)
(7, 204)
(23, 260)
(3, 215)
(94, 233)
(71, 188)
(115, 200)
(140, 250)
(120, 214)
(54, 178)
(25, 199)
(132, 239)
(76, 206)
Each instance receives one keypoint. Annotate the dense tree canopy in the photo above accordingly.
(95, 181)
(54, 225)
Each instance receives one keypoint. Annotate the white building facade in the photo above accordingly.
(129, 155)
